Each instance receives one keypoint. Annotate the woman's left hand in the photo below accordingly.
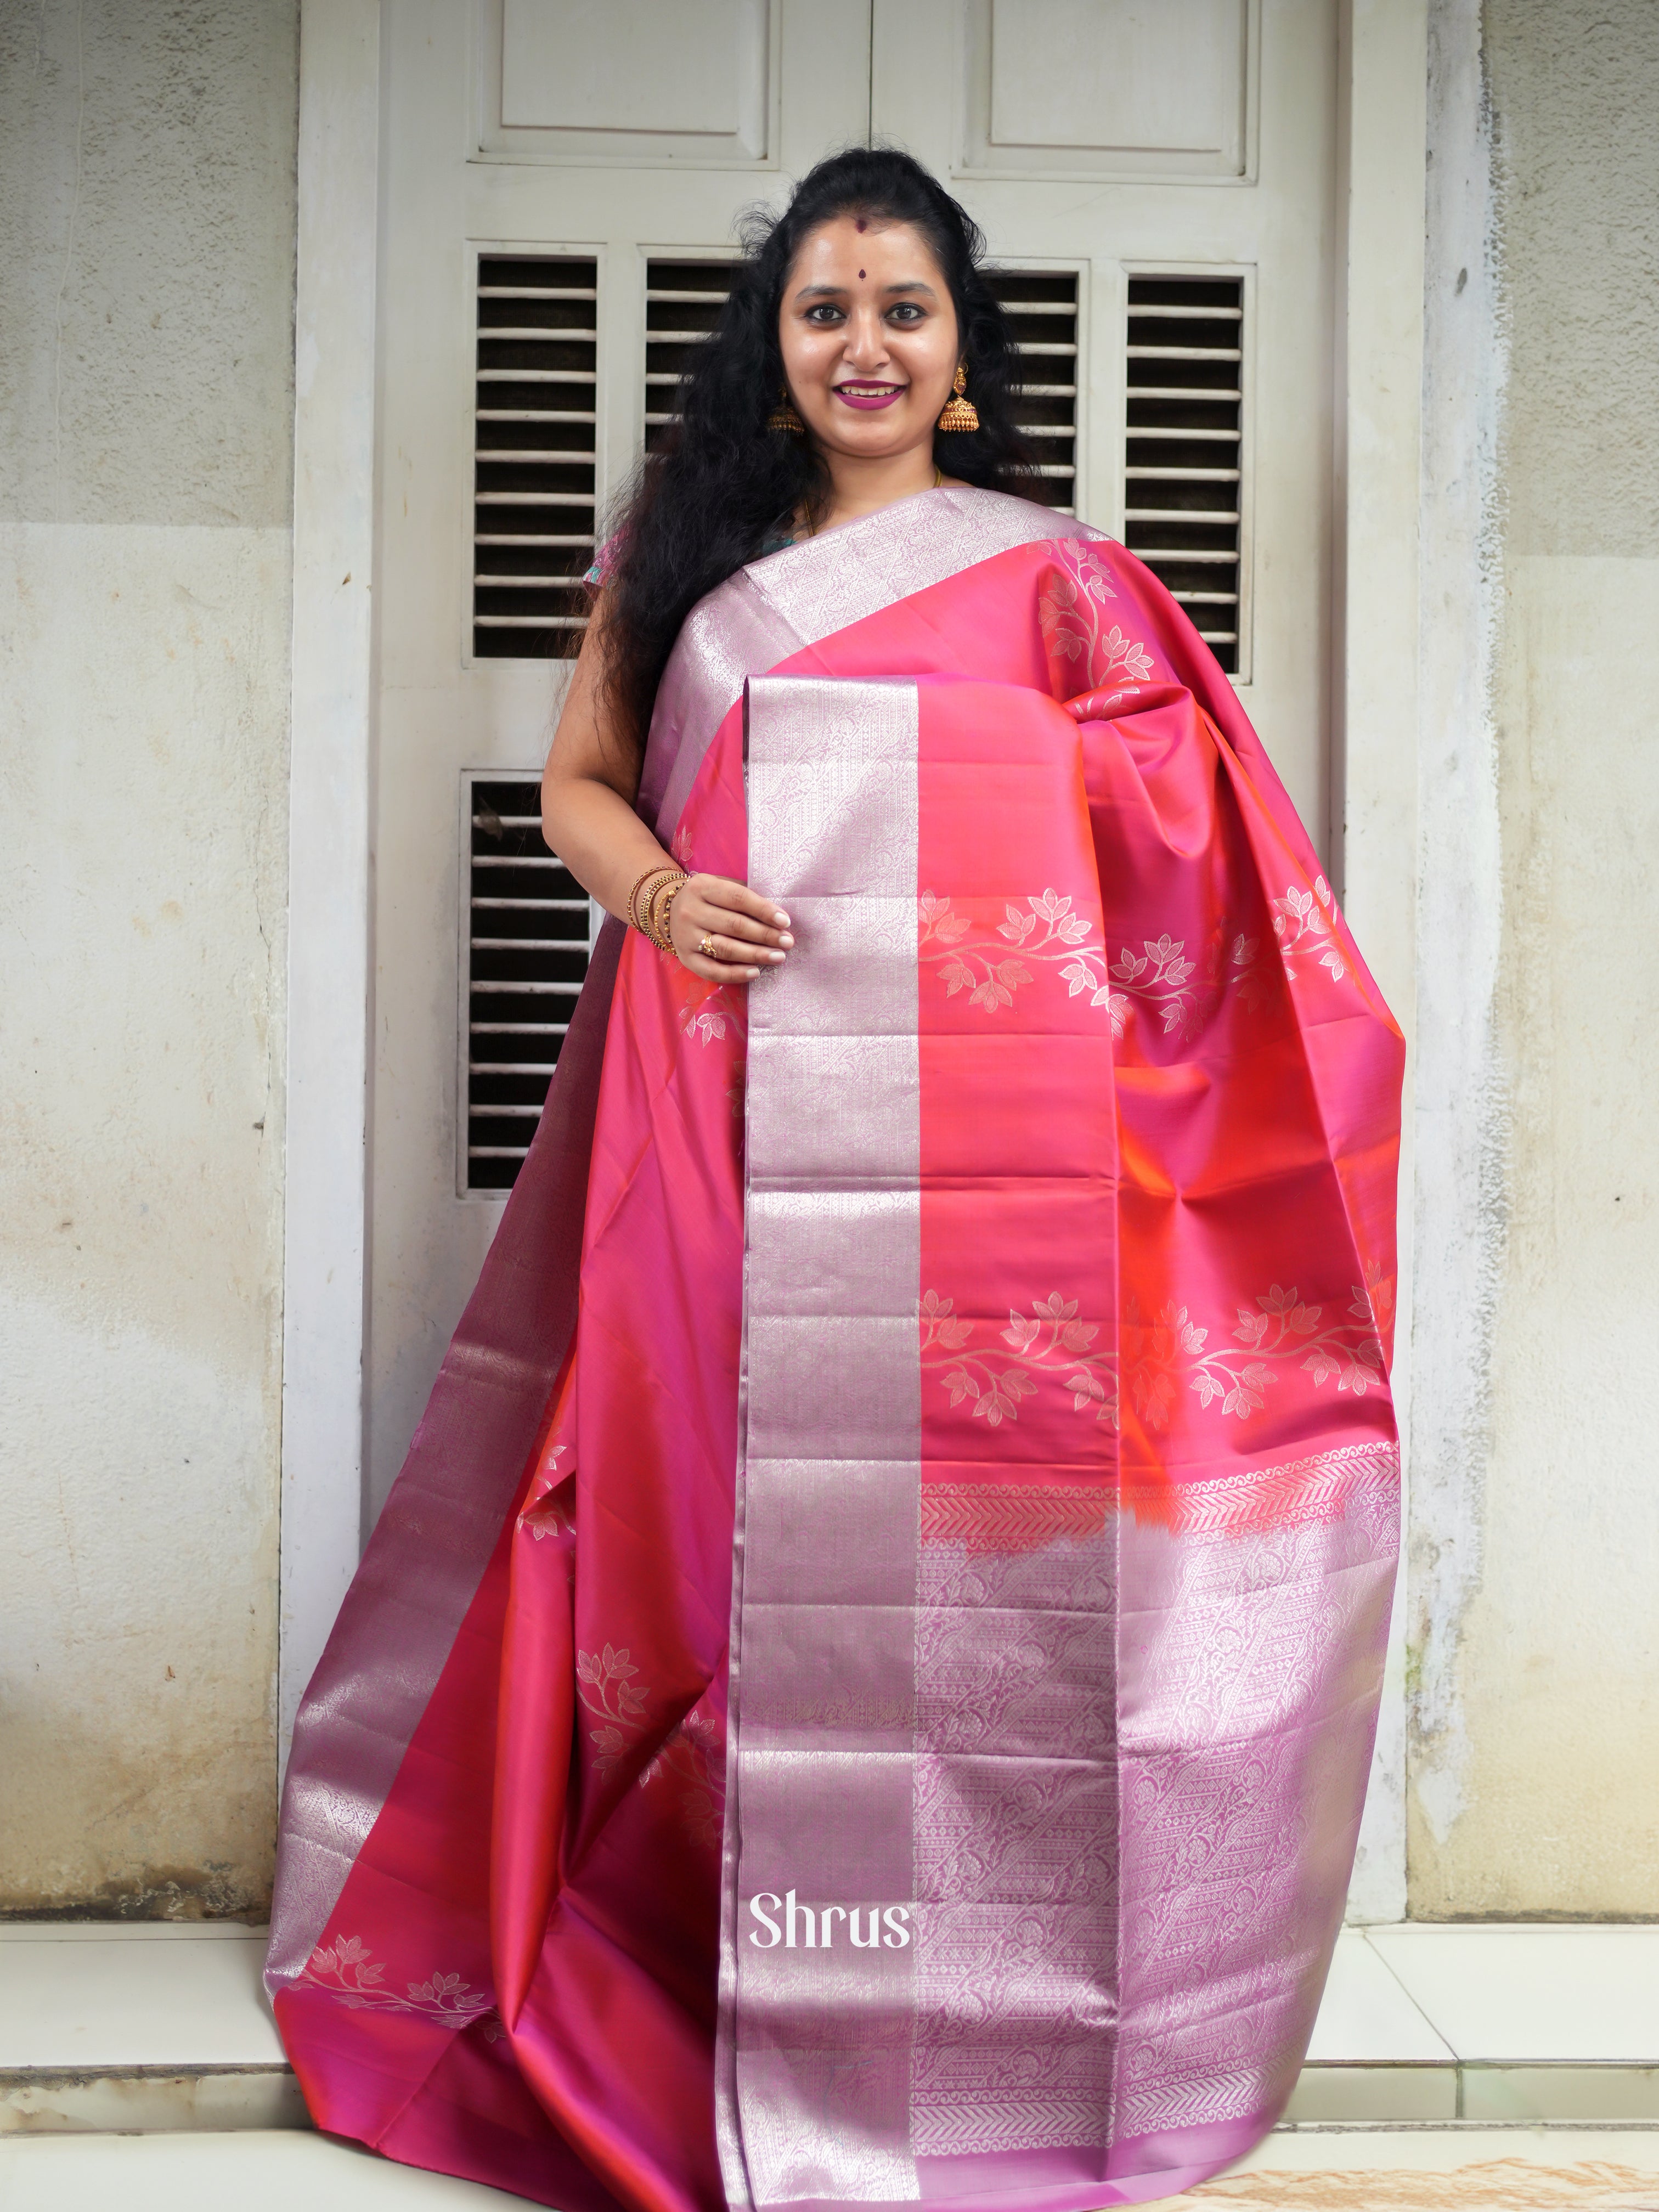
(743, 932)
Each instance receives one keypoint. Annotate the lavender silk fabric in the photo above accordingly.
(1244, 1654)
(1112, 1778)
(816, 2075)
(398, 1623)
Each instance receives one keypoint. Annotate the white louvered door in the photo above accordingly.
(559, 192)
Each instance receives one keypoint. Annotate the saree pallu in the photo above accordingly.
(863, 1691)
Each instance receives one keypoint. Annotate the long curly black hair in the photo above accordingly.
(704, 502)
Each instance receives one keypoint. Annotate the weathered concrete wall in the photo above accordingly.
(147, 219)
(1534, 1766)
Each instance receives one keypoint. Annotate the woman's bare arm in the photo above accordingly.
(588, 789)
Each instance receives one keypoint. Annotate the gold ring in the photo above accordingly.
(707, 946)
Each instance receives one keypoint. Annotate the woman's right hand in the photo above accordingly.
(588, 816)
(745, 933)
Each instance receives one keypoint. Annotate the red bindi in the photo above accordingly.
(860, 272)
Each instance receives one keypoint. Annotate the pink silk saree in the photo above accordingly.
(863, 1691)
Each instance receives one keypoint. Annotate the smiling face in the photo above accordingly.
(869, 338)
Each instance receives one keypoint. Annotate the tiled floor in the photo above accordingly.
(148, 2028)
(156, 1994)
(1490, 2024)
(253, 2171)
(1503, 1995)
(1368, 2014)
(164, 2028)
(1463, 2170)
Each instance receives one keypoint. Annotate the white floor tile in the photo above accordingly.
(1346, 2170)
(1499, 1993)
(1367, 2016)
(253, 2172)
(1625, 2095)
(1375, 2096)
(180, 1999)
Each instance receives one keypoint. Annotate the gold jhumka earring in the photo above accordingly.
(784, 416)
(960, 412)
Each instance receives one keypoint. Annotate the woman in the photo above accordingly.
(965, 1209)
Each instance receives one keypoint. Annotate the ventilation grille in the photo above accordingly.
(1183, 449)
(1042, 307)
(533, 458)
(529, 932)
(682, 301)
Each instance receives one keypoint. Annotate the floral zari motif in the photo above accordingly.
(605, 1685)
(1086, 653)
(1303, 926)
(1050, 1341)
(714, 1014)
(708, 1012)
(706, 1019)
(549, 1510)
(989, 960)
(691, 1757)
(1280, 1331)
(1162, 976)
(348, 1970)
(992, 961)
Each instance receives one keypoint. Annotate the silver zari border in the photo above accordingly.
(799, 597)
(812, 2074)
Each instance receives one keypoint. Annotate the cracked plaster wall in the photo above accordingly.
(147, 223)
(1535, 1754)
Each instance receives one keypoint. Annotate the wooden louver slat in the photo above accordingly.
(533, 453)
(1184, 447)
(525, 942)
(682, 301)
(1041, 306)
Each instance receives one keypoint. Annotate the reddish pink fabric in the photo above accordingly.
(518, 1982)
(1018, 1131)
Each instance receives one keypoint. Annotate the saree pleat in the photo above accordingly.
(863, 1691)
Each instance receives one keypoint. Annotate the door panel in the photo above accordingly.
(632, 80)
(1116, 89)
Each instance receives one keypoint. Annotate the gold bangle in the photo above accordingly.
(652, 899)
(632, 896)
(658, 901)
(662, 911)
(639, 910)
